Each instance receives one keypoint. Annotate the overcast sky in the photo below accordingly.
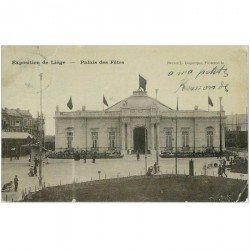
(86, 83)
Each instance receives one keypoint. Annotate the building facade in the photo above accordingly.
(18, 128)
(18, 120)
(137, 123)
(236, 131)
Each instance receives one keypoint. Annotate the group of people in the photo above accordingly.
(85, 157)
(222, 170)
(155, 169)
(9, 186)
(14, 152)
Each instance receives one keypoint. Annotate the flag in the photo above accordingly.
(105, 101)
(177, 106)
(70, 104)
(142, 83)
(210, 102)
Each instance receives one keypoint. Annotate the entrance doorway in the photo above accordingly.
(139, 140)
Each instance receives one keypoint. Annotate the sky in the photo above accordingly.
(190, 73)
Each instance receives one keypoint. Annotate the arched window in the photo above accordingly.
(69, 135)
(210, 139)
(69, 139)
(94, 139)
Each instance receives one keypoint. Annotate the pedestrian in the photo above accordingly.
(155, 168)
(138, 156)
(93, 158)
(16, 183)
(12, 152)
(18, 153)
(219, 171)
(223, 170)
(31, 172)
(84, 156)
(36, 161)
(35, 170)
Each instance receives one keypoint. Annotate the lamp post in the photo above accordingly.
(40, 134)
(146, 165)
(220, 131)
(176, 145)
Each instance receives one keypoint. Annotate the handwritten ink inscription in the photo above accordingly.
(213, 73)
(184, 86)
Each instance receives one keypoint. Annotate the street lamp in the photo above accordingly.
(40, 133)
(220, 130)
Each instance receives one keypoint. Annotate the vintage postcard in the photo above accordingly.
(124, 123)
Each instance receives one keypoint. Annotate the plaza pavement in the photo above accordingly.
(64, 171)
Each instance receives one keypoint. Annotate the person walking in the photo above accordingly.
(36, 161)
(93, 157)
(84, 156)
(16, 183)
(138, 156)
(220, 171)
(223, 170)
(155, 168)
(35, 170)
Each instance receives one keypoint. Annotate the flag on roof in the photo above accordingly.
(70, 104)
(142, 83)
(210, 102)
(105, 101)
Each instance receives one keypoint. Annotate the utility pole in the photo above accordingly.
(176, 145)
(177, 110)
(40, 133)
(146, 167)
(157, 138)
(220, 131)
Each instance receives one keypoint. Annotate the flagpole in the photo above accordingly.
(40, 134)
(176, 138)
(220, 131)
(207, 102)
(146, 167)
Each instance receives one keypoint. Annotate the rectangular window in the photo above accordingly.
(168, 139)
(25, 123)
(112, 139)
(17, 124)
(94, 139)
(185, 139)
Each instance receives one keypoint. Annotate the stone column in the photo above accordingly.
(158, 151)
(123, 138)
(157, 142)
(152, 138)
(128, 136)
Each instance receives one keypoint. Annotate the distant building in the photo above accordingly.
(136, 123)
(236, 122)
(12, 142)
(17, 120)
(49, 142)
(18, 128)
(236, 131)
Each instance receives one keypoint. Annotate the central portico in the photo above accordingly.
(140, 117)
